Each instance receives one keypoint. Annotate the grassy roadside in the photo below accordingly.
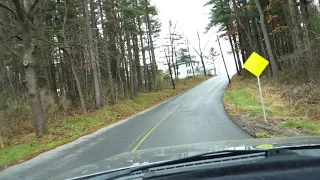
(71, 128)
(242, 102)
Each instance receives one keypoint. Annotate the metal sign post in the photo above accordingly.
(256, 64)
(261, 97)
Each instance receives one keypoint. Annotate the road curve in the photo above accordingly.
(192, 117)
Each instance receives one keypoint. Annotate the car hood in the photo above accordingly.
(155, 155)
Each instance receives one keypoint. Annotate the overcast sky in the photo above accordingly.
(191, 16)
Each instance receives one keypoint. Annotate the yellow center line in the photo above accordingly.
(145, 137)
(151, 130)
(143, 133)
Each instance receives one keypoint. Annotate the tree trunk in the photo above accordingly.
(200, 53)
(77, 79)
(54, 81)
(233, 51)
(32, 86)
(95, 34)
(266, 38)
(170, 71)
(236, 9)
(257, 37)
(153, 69)
(203, 65)
(275, 39)
(237, 51)
(247, 36)
(284, 43)
(153, 65)
(295, 31)
(264, 53)
(304, 20)
(96, 81)
(66, 86)
(145, 68)
(29, 65)
(125, 65)
(72, 62)
(151, 72)
(113, 99)
(11, 84)
(242, 47)
(137, 62)
(175, 66)
(176, 58)
(132, 93)
(305, 12)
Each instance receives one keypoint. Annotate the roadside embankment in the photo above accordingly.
(292, 109)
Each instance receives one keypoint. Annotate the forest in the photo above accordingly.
(68, 56)
(285, 32)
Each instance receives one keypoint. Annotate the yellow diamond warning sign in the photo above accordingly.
(256, 64)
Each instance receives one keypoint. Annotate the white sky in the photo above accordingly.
(191, 16)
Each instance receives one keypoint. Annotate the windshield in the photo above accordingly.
(134, 82)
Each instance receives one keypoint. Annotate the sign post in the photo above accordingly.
(261, 97)
(256, 64)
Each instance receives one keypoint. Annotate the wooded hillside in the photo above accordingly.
(286, 32)
(60, 57)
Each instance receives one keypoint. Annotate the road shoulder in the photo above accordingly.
(242, 103)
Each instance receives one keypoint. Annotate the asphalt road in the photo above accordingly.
(192, 117)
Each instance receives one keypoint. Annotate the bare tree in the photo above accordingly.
(169, 66)
(200, 52)
(172, 39)
(213, 54)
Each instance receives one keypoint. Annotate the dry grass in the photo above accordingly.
(64, 130)
(15, 119)
(244, 94)
(291, 109)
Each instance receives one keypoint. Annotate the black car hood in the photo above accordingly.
(143, 157)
